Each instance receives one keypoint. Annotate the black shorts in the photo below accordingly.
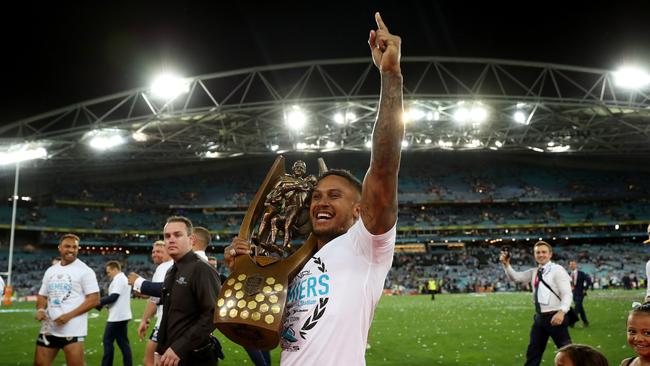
(154, 335)
(50, 341)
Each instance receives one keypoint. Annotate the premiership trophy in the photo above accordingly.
(250, 307)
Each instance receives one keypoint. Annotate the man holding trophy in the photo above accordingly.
(331, 301)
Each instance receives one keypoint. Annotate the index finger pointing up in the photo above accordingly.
(380, 23)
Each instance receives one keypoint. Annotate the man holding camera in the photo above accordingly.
(552, 296)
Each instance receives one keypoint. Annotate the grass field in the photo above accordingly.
(473, 329)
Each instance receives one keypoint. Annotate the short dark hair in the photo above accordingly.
(345, 174)
(203, 235)
(69, 236)
(114, 264)
(184, 220)
(584, 355)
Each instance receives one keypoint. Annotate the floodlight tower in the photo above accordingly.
(17, 154)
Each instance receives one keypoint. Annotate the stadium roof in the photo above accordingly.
(451, 104)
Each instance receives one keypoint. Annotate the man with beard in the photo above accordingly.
(333, 298)
(68, 292)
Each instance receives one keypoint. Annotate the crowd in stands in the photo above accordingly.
(473, 268)
(477, 268)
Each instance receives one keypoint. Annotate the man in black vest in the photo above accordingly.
(188, 297)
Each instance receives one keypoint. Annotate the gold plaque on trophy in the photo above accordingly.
(250, 307)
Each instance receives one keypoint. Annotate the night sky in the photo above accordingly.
(55, 54)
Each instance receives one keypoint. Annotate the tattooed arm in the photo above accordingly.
(379, 195)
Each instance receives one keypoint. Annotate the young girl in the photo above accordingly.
(638, 335)
(579, 355)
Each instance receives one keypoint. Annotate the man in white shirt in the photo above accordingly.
(68, 291)
(331, 302)
(552, 297)
(201, 240)
(160, 257)
(118, 302)
(2, 288)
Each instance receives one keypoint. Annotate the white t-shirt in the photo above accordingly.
(331, 302)
(2, 287)
(120, 310)
(159, 276)
(66, 288)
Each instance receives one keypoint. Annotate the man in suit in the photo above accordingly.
(580, 282)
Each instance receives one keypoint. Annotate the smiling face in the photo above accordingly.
(573, 265)
(159, 254)
(69, 248)
(335, 207)
(177, 240)
(638, 334)
(543, 254)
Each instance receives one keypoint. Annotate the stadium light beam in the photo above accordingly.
(22, 153)
(168, 86)
(104, 139)
(520, 117)
(296, 118)
(630, 77)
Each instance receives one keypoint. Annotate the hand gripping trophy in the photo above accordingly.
(250, 307)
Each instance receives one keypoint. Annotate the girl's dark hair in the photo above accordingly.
(584, 355)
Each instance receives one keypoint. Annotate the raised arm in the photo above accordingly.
(379, 195)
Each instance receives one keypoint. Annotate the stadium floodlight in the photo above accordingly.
(498, 143)
(405, 144)
(436, 116)
(296, 118)
(139, 136)
(473, 144)
(341, 118)
(476, 114)
(551, 144)
(168, 86)
(535, 148)
(461, 115)
(301, 146)
(211, 154)
(616, 227)
(368, 144)
(16, 154)
(22, 152)
(330, 144)
(520, 117)
(631, 77)
(275, 147)
(427, 141)
(413, 114)
(104, 139)
(559, 148)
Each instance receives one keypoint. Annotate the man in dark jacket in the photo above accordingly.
(580, 282)
(188, 297)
